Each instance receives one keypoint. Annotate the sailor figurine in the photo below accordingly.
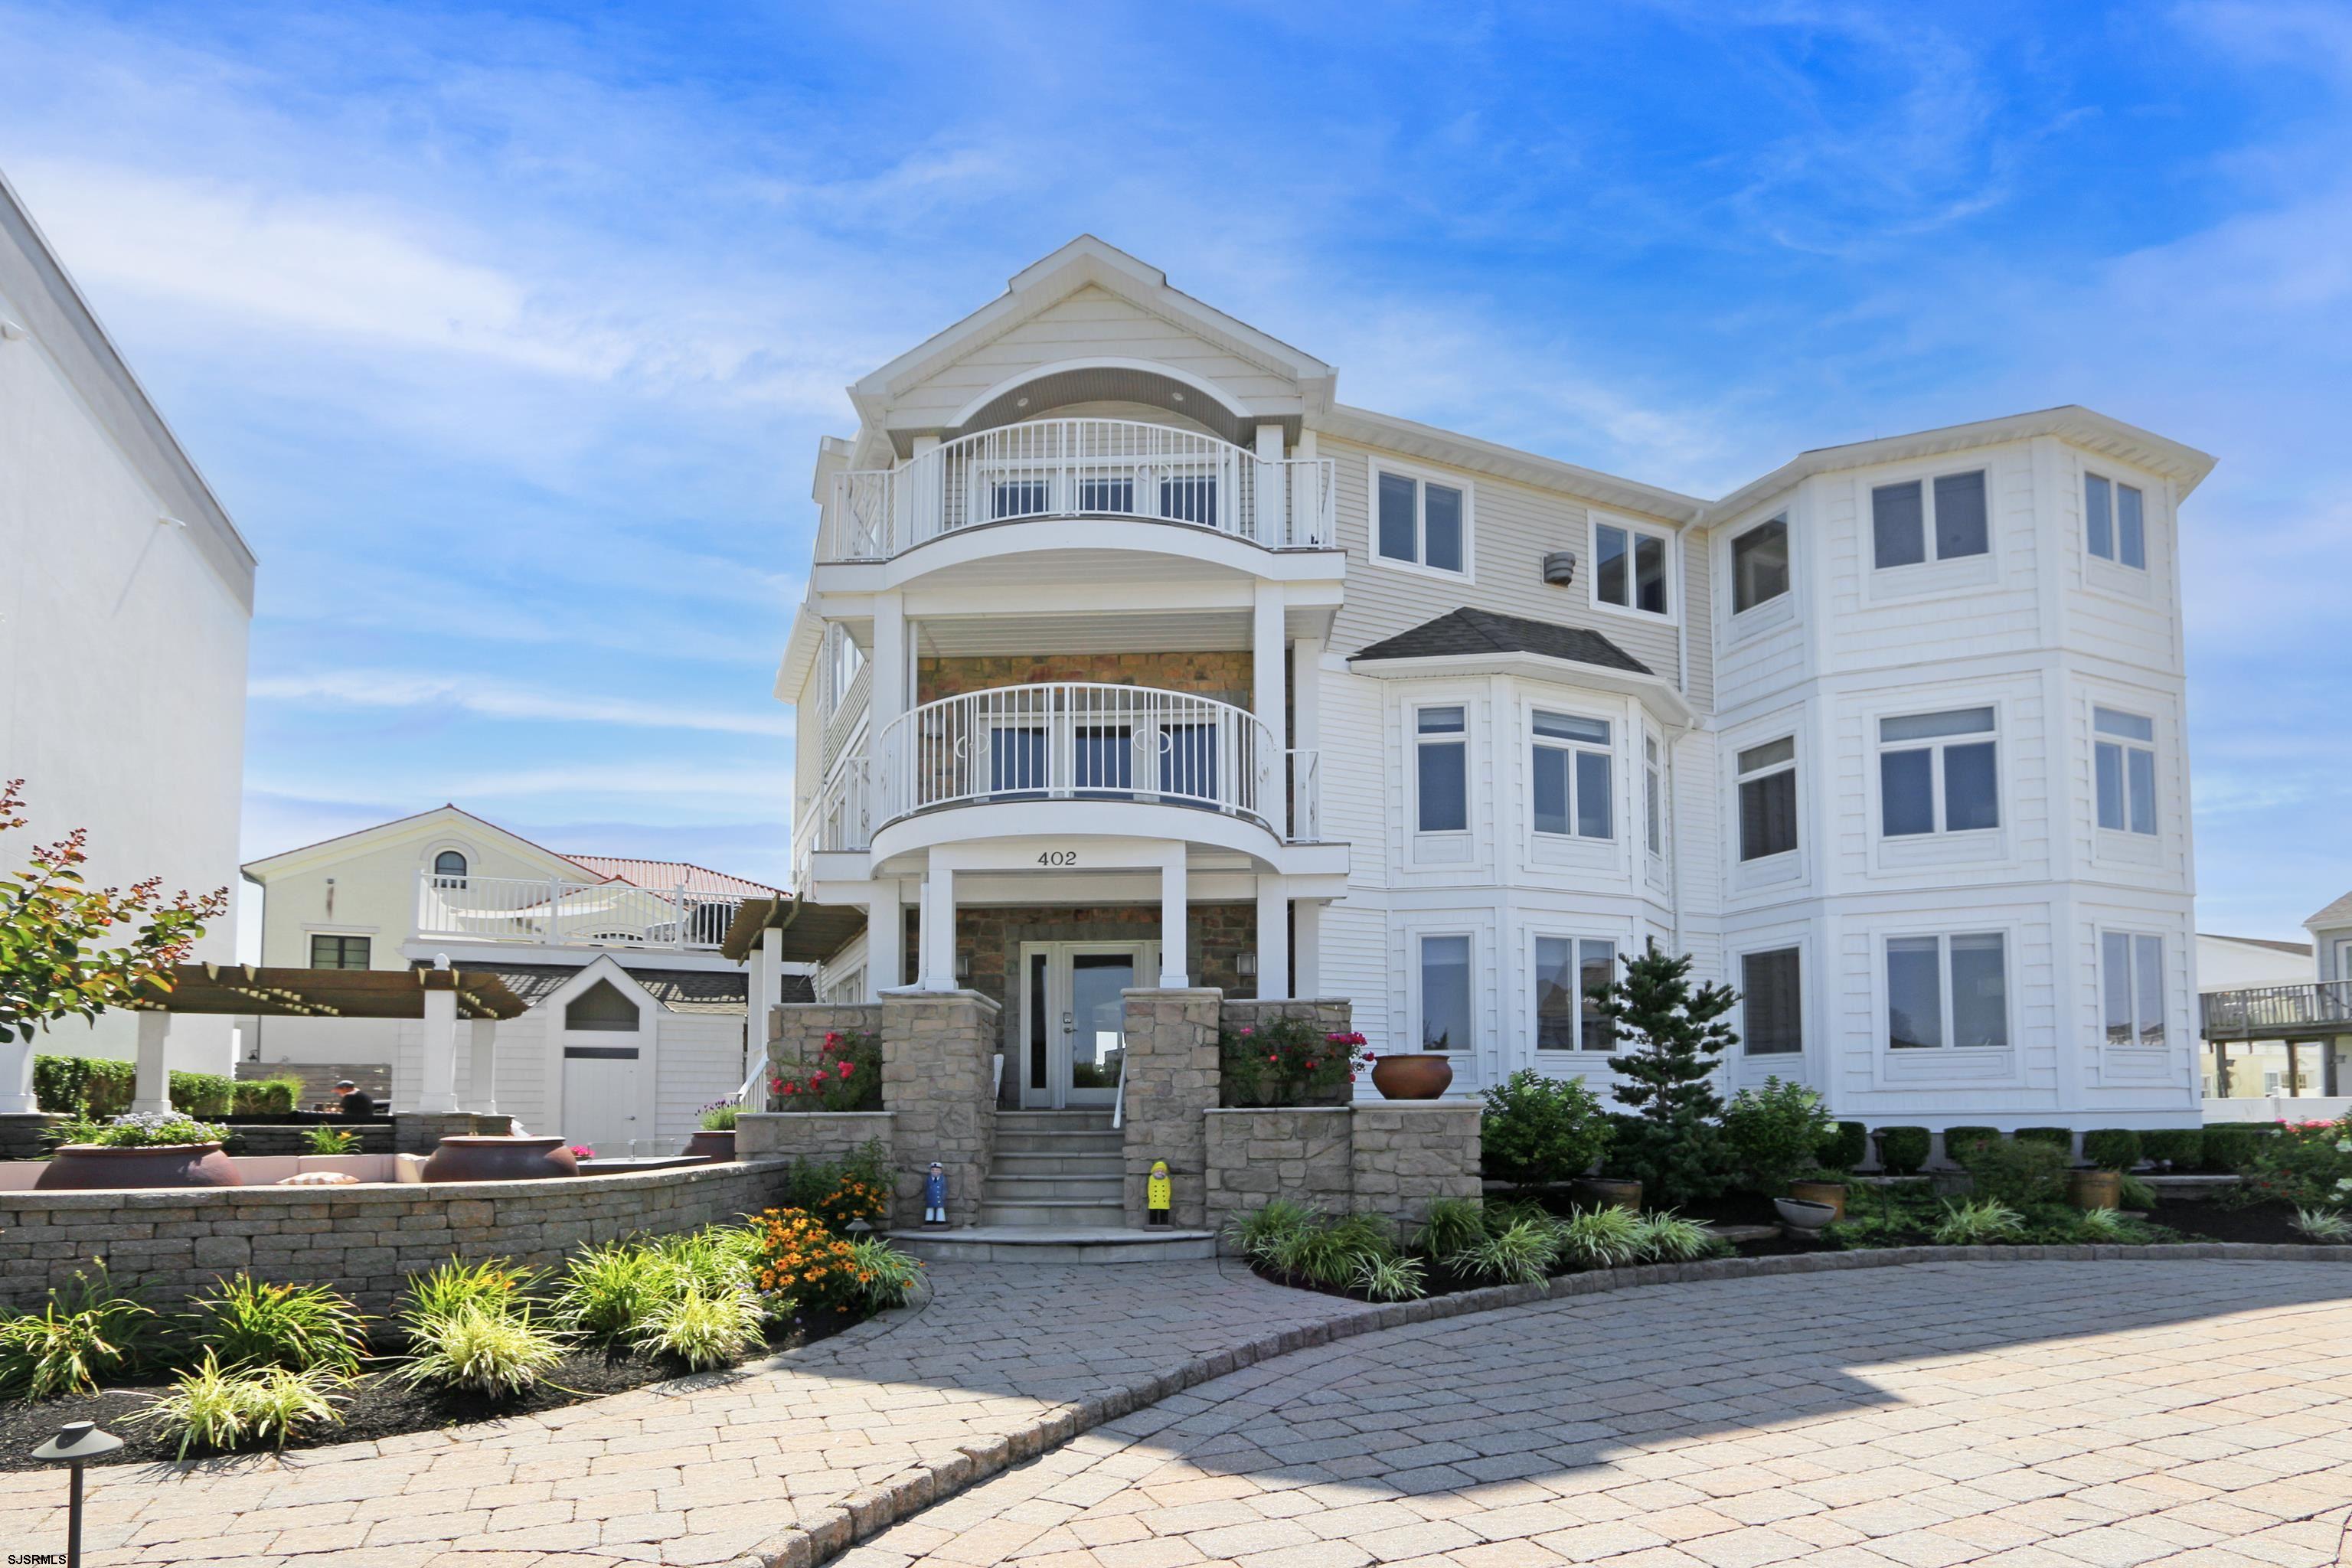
(1155, 1194)
(935, 1197)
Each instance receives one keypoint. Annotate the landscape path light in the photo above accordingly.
(76, 1445)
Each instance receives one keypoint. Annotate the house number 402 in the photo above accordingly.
(1058, 858)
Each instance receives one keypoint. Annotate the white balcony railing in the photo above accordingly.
(547, 913)
(1081, 468)
(2266, 1012)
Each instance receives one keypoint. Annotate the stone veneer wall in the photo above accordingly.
(1376, 1156)
(25, 1135)
(797, 1029)
(294, 1137)
(1171, 1078)
(365, 1241)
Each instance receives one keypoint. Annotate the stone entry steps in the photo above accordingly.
(1055, 1170)
(1037, 1243)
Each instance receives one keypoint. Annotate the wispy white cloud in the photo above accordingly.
(495, 700)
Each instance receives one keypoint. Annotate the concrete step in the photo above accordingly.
(1079, 1214)
(1042, 1243)
(1056, 1162)
(1002, 1187)
(1013, 1142)
(1057, 1120)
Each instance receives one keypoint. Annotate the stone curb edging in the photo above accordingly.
(869, 1511)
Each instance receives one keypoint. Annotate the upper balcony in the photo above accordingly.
(550, 912)
(2279, 1012)
(1081, 468)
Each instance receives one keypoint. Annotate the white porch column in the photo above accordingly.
(1267, 693)
(151, 1088)
(885, 939)
(482, 1067)
(1307, 739)
(436, 1082)
(1273, 938)
(887, 701)
(1306, 928)
(768, 967)
(937, 935)
(16, 1096)
(1270, 476)
(1173, 973)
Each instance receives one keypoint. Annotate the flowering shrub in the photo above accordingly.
(140, 1130)
(2305, 1163)
(840, 1191)
(1290, 1062)
(719, 1116)
(582, 1152)
(846, 1076)
(798, 1264)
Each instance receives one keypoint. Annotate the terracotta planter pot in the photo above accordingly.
(500, 1159)
(2094, 1189)
(714, 1147)
(1833, 1194)
(1606, 1191)
(90, 1167)
(1412, 1076)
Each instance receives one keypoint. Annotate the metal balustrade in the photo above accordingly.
(550, 912)
(2276, 1012)
(1082, 468)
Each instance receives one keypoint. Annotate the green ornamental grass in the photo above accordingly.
(252, 1322)
(448, 1287)
(212, 1407)
(473, 1346)
(1522, 1253)
(85, 1333)
(705, 1326)
(1978, 1222)
(1603, 1238)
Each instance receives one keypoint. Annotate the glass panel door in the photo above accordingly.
(1098, 1025)
(1073, 1018)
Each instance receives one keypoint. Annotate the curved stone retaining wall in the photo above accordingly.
(364, 1240)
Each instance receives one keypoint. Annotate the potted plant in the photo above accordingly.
(1425, 1074)
(142, 1149)
(716, 1141)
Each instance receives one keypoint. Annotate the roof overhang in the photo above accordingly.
(1413, 440)
(416, 826)
(811, 933)
(1656, 692)
(248, 990)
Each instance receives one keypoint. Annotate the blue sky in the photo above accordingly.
(508, 336)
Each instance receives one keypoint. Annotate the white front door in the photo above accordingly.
(600, 1098)
(1073, 1019)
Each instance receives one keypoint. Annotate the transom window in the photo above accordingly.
(1571, 767)
(1760, 564)
(2123, 749)
(1768, 799)
(1771, 1002)
(1421, 523)
(1567, 971)
(1938, 772)
(1947, 990)
(2114, 521)
(1948, 512)
(2131, 982)
(1629, 567)
(1442, 759)
(1445, 993)
(338, 953)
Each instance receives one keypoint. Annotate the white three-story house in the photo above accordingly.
(1131, 656)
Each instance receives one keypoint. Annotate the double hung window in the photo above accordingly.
(2123, 753)
(2131, 984)
(1947, 990)
(1768, 799)
(1442, 764)
(1571, 775)
(1938, 772)
(1568, 970)
(1947, 513)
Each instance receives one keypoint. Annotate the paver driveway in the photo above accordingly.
(2036, 1414)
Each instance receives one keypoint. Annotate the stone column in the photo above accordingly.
(1406, 1153)
(936, 1052)
(1172, 1085)
(152, 1089)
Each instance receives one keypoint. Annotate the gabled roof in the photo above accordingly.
(2339, 914)
(1469, 631)
(262, 869)
(665, 876)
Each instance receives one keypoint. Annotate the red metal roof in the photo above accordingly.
(665, 876)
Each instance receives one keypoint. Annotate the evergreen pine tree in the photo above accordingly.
(1674, 1037)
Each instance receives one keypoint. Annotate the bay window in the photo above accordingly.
(1947, 990)
(2123, 752)
(1571, 775)
(1948, 513)
(1938, 772)
(1568, 970)
(1768, 799)
(1442, 761)
(2131, 986)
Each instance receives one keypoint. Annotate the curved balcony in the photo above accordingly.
(1081, 468)
(1070, 741)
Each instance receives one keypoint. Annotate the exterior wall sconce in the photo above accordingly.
(1245, 965)
(963, 966)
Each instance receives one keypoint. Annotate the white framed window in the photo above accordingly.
(2124, 754)
(1772, 1003)
(1443, 962)
(329, 951)
(1767, 798)
(1942, 518)
(1573, 789)
(1442, 769)
(2114, 520)
(1420, 520)
(1759, 565)
(2131, 987)
(1631, 567)
(1948, 992)
(1938, 772)
(1567, 969)
(1653, 798)
(449, 869)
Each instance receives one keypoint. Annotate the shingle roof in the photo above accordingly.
(2339, 914)
(679, 990)
(663, 875)
(1469, 631)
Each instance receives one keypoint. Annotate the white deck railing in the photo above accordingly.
(2283, 1008)
(548, 912)
(1081, 468)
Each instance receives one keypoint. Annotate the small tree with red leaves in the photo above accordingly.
(53, 963)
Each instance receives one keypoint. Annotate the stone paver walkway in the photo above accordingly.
(703, 1471)
(2028, 1414)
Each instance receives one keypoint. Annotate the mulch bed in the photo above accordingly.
(2212, 1221)
(379, 1406)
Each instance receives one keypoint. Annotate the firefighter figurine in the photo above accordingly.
(935, 1198)
(1155, 1194)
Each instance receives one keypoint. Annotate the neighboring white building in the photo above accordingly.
(1119, 622)
(125, 599)
(635, 1020)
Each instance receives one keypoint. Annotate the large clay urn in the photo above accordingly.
(1417, 1076)
(93, 1167)
(2094, 1189)
(472, 1159)
(1830, 1194)
(711, 1147)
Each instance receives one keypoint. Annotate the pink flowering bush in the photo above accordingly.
(1289, 1061)
(846, 1076)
